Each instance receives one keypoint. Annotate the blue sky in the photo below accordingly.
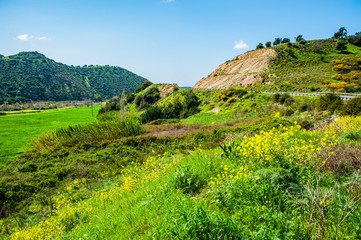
(166, 41)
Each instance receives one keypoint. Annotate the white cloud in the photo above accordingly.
(24, 37)
(167, 1)
(240, 45)
(44, 38)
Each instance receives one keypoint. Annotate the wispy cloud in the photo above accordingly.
(43, 38)
(24, 37)
(167, 1)
(240, 45)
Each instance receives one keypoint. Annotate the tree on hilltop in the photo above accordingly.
(341, 34)
(259, 46)
(277, 41)
(286, 40)
(268, 44)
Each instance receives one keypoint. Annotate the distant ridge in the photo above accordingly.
(31, 76)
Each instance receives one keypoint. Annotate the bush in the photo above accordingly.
(187, 180)
(259, 46)
(329, 101)
(277, 41)
(341, 45)
(152, 113)
(148, 98)
(355, 40)
(352, 107)
(286, 40)
(285, 99)
(143, 86)
(268, 44)
(130, 98)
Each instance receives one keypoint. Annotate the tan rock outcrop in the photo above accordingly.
(242, 70)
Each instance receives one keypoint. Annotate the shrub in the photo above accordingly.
(143, 86)
(341, 45)
(151, 113)
(352, 107)
(197, 223)
(187, 180)
(329, 101)
(285, 40)
(288, 111)
(355, 40)
(268, 44)
(276, 97)
(285, 99)
(299, 38)
(231, 100)
(148, 98)
(130, 98)
(277, 41)
(259, 46)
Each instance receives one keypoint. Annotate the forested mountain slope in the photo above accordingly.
(32, 76)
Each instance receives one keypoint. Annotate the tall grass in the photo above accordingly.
(90, 133)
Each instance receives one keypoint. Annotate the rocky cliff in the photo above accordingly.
(242, 70)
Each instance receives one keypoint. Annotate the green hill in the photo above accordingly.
(30, 76)
(304, 67)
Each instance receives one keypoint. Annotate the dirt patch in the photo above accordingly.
(173, 132)
(167, 89)
(242, 70)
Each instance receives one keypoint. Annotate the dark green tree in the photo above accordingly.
(277, 41)
(341, 34)
(286, 40)
(268, 44)
(259, 46)
(299, 38)
(341, 45)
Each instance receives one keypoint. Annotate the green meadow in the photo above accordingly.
(18, 129)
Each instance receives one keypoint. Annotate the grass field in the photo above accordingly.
(17, 130)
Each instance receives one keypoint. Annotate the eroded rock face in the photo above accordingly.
(242, 70)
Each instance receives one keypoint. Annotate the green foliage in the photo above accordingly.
(187, 180)
(355, 40)
(341, 34)
(259, 46)
(285, 40)
(176, 108)
(31, 76)
(299, 38)
(330, 102)
(341, 45)
(352, 107)
(82, 134)
(285, 99)
(277, 41)
(268, 44)
(143, 86)
(148, 98)
(196, 223)
(304, 67)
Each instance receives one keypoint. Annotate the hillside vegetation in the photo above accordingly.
(198, 164)
(30, 76)
(302, 66)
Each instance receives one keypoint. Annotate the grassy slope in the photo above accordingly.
(204, 196)
(300, 68)
(147, 178)
(17, 130)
